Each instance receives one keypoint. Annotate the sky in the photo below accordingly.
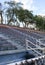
(37, 6)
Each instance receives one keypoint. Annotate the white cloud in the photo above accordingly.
(16, 0)
(42, 14)
(27, 4)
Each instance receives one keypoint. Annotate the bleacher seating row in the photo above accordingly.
(34, 61)
(19, 35)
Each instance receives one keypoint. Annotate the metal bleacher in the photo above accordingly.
(18, 36)
(18, 40)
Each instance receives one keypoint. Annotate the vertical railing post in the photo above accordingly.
(26, 43)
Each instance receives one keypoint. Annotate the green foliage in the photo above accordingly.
(39, 22)
(12, 11)
(25, 16)
(15, 13)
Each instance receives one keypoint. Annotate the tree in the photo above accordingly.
(12, 11)
(25, 16)
(39, 22)
(43, 22)
(1, 12)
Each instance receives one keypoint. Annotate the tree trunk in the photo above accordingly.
(25, 24)
(1, 19)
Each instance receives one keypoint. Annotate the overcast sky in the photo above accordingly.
(37, 6)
